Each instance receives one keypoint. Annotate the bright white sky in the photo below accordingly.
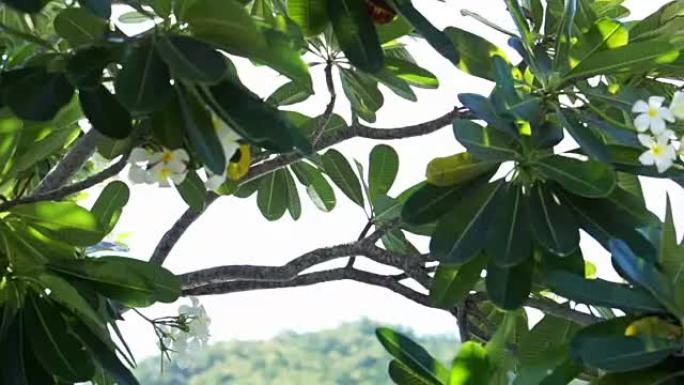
(232, 231)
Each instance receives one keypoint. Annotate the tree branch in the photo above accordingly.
(327, 114)
(65, 191)
(72, 162)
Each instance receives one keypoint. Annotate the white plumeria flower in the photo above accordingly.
(677, 105)
(660, 152)
(652, 115)
(214, 181)
(138, 160)
(162, 172)
(227, 136)
(176, 158)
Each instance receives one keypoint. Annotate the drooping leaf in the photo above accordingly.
(294, 205)
(456, 169)
(143, 84)
(193, 191)
(105, 113)
(363, 94)
(289, 93)
(509, 237)
(412, 355)
(452, 285)
(109, 205)
(553, 225)
(484, 142)
(339, 170)
(584, 136)
(428, 203)
(475, 53)
(80, 27)
(310, 15)
(192, 60)
(272, 195)
(403, 375)
(589, 179)
(411, 73)
(383, 166)
(508, 288)
(356, 34)
(317, 187)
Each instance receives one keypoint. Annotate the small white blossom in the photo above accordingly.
(652, 115)
(661, 153)
(677, 105)
(229, 140)
(185, 343)
(158, 167)
(162, 172)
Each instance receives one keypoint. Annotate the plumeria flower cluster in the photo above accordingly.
(185, 334)
(152, 167)
(651, 123)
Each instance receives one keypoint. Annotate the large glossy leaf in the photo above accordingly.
(193, 191)
(310, 15)
(484, 142)
(452, 285)
(32, 93)
(471, 366)
(109, 205)
(105, 113)
(457, 169)
(395, 84)
(363, 94)
(630, 58)
(355, 33)
(411, 73)
(80, 27)
(508, 288)
(339, 170)
(403, 375)
(475, 53)
(483, 108)
(294, 205)
(65, 221)
(101, 8)
(29, 6)
(282, 54)
(509, 238)
(272, 195)
(589, 179)
(60, 352)
(602, 293)
(436, 38)
(605, 346)
(289, 93)
(143, 85)
(317, 187)
(14, 370)
(412, 355)
(192, 60)
(459, 234)
(106, 357)
(130, 281)
(428, 203)
(584, 136)
(226, 24)
(553, 225)
(383, 166)
(84, 68)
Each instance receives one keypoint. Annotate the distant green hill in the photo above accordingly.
(348, 355)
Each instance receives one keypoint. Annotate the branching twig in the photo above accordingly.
(327, 114)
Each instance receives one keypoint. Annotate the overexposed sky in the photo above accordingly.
(233, 231)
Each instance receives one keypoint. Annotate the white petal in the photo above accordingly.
(666, 114)
(642, 122)
(156, 157)
(663, 164)
(670, 152)
(138, 155)
(176, 166)
(594, 81)
(647, 159)
(178, 178)
(181, 155)
(215, 181)
(646, 140)
(665, 136)
(677, 105)
(640, 107)
(230, 148)
(137, 174)
(658, 125)
(656, 101)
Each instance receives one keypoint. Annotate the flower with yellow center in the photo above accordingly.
(162, 172)
(158, 167)
(652, 115)
(660, 152)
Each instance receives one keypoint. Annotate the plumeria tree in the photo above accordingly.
(84, 103)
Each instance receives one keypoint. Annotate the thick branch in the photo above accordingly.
(70, 164)
(65, 191)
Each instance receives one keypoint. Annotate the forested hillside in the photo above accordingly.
(348, 355)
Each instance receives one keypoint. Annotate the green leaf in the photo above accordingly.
(310, 15)
(411, 73)
(294, 205)
(458, 237)
(436, 38)
(553, 225)
(105, 113)
(80, 27)
(28, 6)
(363, 94)
(647, 275)
(452, 285)
(65, 221)
(32, 93)
(456, 169)
(475, 53)
(84, 68)
(605, 346)
(509, 239)
(193, 191)
(356, 34)
(272, 195)
(192, 60)
(395, 84)
(412, 355)
(101, 8)
(564, 36)
(393, 30)
(588, 140)
(602, 293)
(289, 93)
(403, 375)
(483, 109)
(143, 85)
(254, 120)
(109, 205)
(471, 366)
(657, 376)
(429, 203)
(13, 371)
(484, 142)
(226, 24)
(59, 352)
(339, 170)
(317, 187)
(383, 166)
(508, 288)
(670, 251)
(630, 58)
(589, 179)
(199, 129)
(130, 281)
(283, 55)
